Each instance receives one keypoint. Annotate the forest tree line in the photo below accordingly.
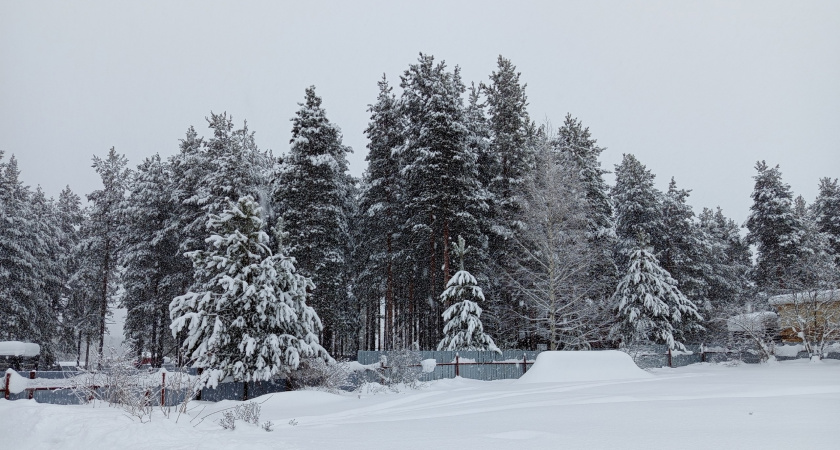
(564, 259)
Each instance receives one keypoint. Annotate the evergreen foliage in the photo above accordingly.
(649, 304)
(463, 329)
(773, 228)
(248, 317)
(315, 194)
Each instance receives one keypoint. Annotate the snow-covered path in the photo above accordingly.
(794, 404)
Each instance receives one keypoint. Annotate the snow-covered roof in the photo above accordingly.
(751, 321)
(16, 348)
(827, 295)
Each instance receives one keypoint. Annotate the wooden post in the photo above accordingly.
(8, 381)
(163, 389)
(524, 363)
(32, 390)
(457, 361)
(670, 358)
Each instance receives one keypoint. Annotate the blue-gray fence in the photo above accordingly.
(157, 395)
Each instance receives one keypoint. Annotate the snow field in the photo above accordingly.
(791, 404)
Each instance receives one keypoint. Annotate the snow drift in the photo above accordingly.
(563, 366)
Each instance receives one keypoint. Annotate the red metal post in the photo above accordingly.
(8, 380)
(457, 371)
(31, 390)
(163, 389)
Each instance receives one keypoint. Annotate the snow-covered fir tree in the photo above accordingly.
(248, 317)
(314, 195)
(773, 228)
(463, 329)
(649, 305)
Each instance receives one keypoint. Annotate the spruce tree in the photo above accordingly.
(314, 194)
(247, 317)
(463, 329)
(649, 305)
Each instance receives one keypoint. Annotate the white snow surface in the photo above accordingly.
(563, 367)
(700, 406)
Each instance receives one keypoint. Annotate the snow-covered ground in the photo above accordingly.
(791, 404)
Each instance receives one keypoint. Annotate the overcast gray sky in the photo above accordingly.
(696, 90)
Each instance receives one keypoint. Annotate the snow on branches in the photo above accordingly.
(248, 316)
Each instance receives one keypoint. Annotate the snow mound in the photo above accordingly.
(562, 367)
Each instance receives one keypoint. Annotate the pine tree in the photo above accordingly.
(463, 329)
(378, 222)
(443, 196)
(314, 194)
(504, 169)
(103, 241)
(248, 317)
(150, 258)
(773, 229)
(650, 306)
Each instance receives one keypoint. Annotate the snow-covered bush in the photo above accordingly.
(319, 374)
(403, 369)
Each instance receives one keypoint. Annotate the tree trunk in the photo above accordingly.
(389, 300)
(103, 302)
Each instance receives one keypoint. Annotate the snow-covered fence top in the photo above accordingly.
(477, 365)
(824, 296)
(16, 348)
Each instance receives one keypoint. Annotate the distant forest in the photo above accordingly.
(226, 249)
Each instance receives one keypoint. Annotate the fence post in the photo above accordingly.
(162, 389)
(524, 363)
(670, 361)
(457, 367)
(8, 381)
(31, 390)
(198, 372)
(702, 353)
